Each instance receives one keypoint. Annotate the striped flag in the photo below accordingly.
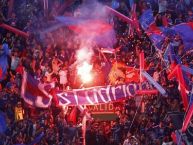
(35, 93)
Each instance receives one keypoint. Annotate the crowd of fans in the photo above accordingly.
(50, 59)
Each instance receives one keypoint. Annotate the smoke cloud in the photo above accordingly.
(94, 29)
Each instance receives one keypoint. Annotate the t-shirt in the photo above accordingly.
(63, 76)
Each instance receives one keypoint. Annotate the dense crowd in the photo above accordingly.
(50, 59)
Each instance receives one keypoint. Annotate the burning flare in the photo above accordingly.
(84, 71)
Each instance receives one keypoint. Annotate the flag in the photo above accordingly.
(34, 92)
(148, 25)
(185, 30)
(158, 34)
(146, 19)
(4, 52)
(157, 40)
(189, 113)
(167, 31)
(169, 52)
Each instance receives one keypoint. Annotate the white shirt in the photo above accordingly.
(63, 76)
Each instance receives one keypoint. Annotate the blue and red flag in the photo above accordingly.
(35, 93)
(148, 25)
(157, 40)
(158, 34)
(4, 52)
(146, 19)
(170, 53)
(185, 30)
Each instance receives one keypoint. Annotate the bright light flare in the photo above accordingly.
(84, 71)
(84, 54)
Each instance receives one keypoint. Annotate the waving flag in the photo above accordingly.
(170, 55)
(157, 40)
(4, 52)
(185, 30)
(146, 19)
(148, 24)
(35, 93)
(158, 34)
